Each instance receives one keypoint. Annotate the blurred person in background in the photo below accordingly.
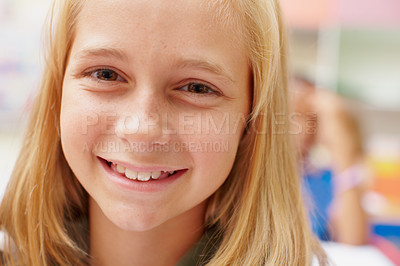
(335, 190)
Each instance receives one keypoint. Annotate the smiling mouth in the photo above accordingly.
(140, 176)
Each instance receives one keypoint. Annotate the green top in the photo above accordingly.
(202, 252)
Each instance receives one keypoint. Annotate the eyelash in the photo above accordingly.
(211, 91)
(91, 74)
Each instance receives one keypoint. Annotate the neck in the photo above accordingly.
(163, 245)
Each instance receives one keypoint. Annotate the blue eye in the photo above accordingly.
(105, 74)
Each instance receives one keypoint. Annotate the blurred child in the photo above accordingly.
(336, 191)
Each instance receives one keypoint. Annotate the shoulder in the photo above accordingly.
(202, 251)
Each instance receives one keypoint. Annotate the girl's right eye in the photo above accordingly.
(104, 75)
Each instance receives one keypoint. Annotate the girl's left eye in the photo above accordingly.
(105, 74)
(198, 89)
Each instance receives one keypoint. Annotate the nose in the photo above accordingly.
(142, 120)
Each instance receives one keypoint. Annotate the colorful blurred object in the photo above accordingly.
(387, 179)
(309, 14)
(371, 13)
(383, 200)
(384, 159)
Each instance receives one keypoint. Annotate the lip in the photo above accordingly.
(150, 186)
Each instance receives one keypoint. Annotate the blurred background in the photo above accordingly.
(350, 47)
(21, 24)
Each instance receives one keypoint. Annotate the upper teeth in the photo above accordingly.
(142, 176)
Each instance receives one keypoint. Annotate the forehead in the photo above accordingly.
(160, 20)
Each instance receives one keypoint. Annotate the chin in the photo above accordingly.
(135, 222)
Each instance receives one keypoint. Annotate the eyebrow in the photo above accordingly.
(205, 65)
(182, 63)
(101, 52)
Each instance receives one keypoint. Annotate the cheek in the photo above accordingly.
(81, 127)
(78, 127)
(212, 165)
(75, 137)
(83, 119)
(214, 151)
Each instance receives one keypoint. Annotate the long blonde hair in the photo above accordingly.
(258, 209)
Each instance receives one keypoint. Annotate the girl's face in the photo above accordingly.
(155, 99)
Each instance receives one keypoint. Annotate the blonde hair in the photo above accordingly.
(258, 209)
